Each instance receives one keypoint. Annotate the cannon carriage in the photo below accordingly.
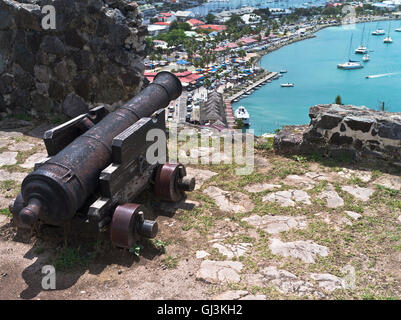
(97, 164)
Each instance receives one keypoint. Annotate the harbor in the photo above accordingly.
(312, 66)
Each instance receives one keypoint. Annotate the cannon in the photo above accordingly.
(97, 165)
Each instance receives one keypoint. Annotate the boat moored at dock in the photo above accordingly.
(242, 114)
(287, 85)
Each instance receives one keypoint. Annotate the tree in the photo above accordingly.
(210, 17)
(338, 100)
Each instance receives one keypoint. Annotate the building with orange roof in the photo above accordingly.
(213, 27)
(195, 22)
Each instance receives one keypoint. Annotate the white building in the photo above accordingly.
(155, 29)
(251, 18)
(183, 16)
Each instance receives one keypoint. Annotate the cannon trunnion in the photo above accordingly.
(98, 163)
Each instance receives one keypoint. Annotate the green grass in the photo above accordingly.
(6, 212)
(68, 258)
(170, 262)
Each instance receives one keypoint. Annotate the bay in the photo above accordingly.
(312, 67)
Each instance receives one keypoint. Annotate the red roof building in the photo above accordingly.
(247, 40)
(195, 22)
(162, 23)
(213, 27)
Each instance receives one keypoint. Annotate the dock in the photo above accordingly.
(228, 102)
(252, 86)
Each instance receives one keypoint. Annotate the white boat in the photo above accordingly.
(350, 65)
(365, 58)
(283, 71)
(284, 85)
(378, 32)
(361, 50)
(242, 114)
(388, 38)
(398, 29)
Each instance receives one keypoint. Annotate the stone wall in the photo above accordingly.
(94, 56)
(335, 129)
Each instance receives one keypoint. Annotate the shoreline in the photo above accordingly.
(311, 35)
(263, 53)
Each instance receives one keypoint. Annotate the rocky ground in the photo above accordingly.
(296, 228)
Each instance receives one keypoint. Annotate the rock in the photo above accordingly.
(4, 143)
(21, 146)
(259, 187)
(31, 160)
(254, 297)
(304, 250)
(232, 250)
(389, 181)
(286, 282)
(231, 295)
(365, 176)
(74, 105)
(200, 254)
(288, 198)
(229, 201)
(358, 192)
(10, 134)
(276, 224)
(332, 198)
(201, 176)
(16, 176)
(298, 181)
(328, 282)
(353, 215)
(317, 176)
(351, 132)
(3, 219)
(219, 271)
(8, 158)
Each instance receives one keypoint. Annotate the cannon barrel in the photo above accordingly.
(58, 188)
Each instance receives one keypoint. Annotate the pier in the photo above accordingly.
(228, 102)
(252, 86)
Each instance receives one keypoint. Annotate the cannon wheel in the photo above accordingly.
(166, 182)
(125, 220)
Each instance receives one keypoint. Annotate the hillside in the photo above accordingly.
(298, 227)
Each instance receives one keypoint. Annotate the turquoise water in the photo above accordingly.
(312, 67)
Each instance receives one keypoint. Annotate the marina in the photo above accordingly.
(312, 66)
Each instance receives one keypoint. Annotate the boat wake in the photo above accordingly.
(382, 75)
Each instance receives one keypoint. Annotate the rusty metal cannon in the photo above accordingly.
(97, 164)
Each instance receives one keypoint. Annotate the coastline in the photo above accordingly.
(263, 53)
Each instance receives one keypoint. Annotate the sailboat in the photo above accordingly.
(378, 31)
(362, 49)
(388, 38)
(366, 56)
(350, 65)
